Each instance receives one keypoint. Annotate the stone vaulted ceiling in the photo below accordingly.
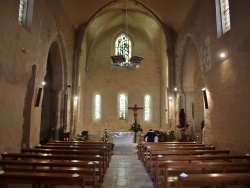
(170, 12)
(147, 17)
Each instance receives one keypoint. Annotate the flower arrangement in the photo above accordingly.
(135, 127)
(81, 137)
(105, 136)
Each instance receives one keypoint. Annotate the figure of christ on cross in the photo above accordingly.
(135, 111)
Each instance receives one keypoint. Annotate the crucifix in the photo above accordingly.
(135, 111)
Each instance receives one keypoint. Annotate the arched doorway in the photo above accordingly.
(51, 117)
(191, 98)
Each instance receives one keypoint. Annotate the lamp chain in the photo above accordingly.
(126, 19)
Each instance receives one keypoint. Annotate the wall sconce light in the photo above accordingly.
(43, 83)
(169, 98)
(24, 50)
(205, 97)
(222, 54)
(175, 89)
(76, 98)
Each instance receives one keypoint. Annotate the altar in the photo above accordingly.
(122, 138)
(123, 142)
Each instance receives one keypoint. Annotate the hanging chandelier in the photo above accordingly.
(123, 58)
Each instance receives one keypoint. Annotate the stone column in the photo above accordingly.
(75, 116)
(207, 128)
(163, 94)
(58, 114)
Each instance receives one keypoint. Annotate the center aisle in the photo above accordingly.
(126, 171)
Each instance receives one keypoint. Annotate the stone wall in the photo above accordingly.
(227, 119)
(20, 49)
(109, 82)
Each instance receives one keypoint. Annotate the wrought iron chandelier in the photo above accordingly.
(123, 58)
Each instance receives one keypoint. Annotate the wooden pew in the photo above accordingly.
(34, 179)
(215, 179)
(146, 155)
(143, 145)
(78, 143)
(88, 169)
(76, 147)
(143, 150)
(59, 157)
(153, 155)
(102, 153)
(194, 159)
(167, 172)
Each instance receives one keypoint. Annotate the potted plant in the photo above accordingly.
(135, 127)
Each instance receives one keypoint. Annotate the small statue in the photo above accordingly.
(182, 119)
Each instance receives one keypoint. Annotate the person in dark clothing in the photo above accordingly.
(183, 137)
(182, 118)
(163, 136)
(150, 136)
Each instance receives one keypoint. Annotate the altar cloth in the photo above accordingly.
(122, 138)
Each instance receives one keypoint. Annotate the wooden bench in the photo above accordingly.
(34, 179)
(68, 151)
(76, 147)
(146, 155)
(192, 158)
(199, 158)
(141, 146)
(57, 157)
(153, 155)
(78, 143)
(88, 169)
(215, 179)
(167, 172)
(179, 147)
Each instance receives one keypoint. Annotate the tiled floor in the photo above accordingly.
(126, 171)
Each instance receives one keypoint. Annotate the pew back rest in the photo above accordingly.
(41, 178)
(215, 179)
(87, 168)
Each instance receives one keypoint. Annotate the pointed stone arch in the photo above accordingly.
(191, 83)
(54, 93)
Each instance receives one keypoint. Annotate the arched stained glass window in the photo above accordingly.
(225, 15)
(97, 107)
(222, 17)
(25, 13)
(123, 46)
(147, 108)
(122, 106)
(22, 11)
